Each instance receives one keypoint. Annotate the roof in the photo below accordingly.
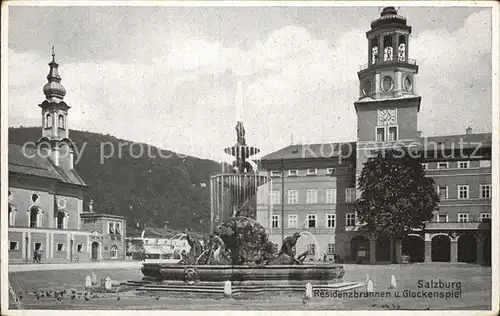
(307, 151)
(29, 161)
(154, 232)
(89, 215)
(468, 141)
(329, 150)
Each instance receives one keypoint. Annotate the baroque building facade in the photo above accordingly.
(46, 195)
(317, 183)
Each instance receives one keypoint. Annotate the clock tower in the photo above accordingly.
(388, 105)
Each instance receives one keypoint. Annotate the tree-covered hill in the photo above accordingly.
(149, 189)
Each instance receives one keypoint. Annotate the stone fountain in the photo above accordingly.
(238, 249)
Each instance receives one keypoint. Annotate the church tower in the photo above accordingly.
(55, 132)
(388, 105)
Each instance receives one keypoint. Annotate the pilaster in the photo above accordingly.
(373, 246)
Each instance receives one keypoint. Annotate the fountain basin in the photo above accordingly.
(243, 274)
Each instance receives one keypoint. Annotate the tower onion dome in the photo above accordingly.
(389, 15)
(54, 89)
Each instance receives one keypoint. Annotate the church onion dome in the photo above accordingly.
(54, 90)
(389, 15)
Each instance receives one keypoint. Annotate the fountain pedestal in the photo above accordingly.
(243, 274)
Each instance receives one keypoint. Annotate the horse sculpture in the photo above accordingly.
(287, 252)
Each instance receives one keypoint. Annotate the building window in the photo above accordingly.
(35, 217)
(13, 245)
(60, 247)
(463, 191)
(275, 173)
(350, 219)
(331, 170)
(350, 195)
(312, 172)
(275, 223)
(331, 249)
(463, 164)
(393, 134)
(330, 220)
(484, 217)
(293, 196)
(425, 166)
(443, 192)
(35, 198)
(485, 190)
(61, 220)
(485, 163)
(330, 196)
(312, 196)
(311, 220)
(292, 221)
(12, 215)
(79, 247)
(442, 218)
(463, 217)
(276, 197)
(114, 252)
(118, 229)
(442, 165)
(380, 134)
(111, 226)
(311, 249)
(293, 173)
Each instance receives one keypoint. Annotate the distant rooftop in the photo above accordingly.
(96, 215)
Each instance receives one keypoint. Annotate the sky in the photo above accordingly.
(167, 76)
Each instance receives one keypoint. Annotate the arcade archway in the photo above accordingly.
(414, 247)
(360, 249)
(441, 248)
(467, 248)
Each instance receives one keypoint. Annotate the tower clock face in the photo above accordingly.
(387, 117)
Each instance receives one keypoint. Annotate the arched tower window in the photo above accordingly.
(114, 252)
(62, 220)
(388, 50)
(48, 120)
(374, 50)
(35, 217)
(402, 48)
(61, 122)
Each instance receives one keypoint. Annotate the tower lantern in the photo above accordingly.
(389, 73)
(55, 131)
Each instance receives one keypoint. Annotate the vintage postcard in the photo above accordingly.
(250, 156)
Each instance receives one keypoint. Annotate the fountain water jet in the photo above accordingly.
(316, 254)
